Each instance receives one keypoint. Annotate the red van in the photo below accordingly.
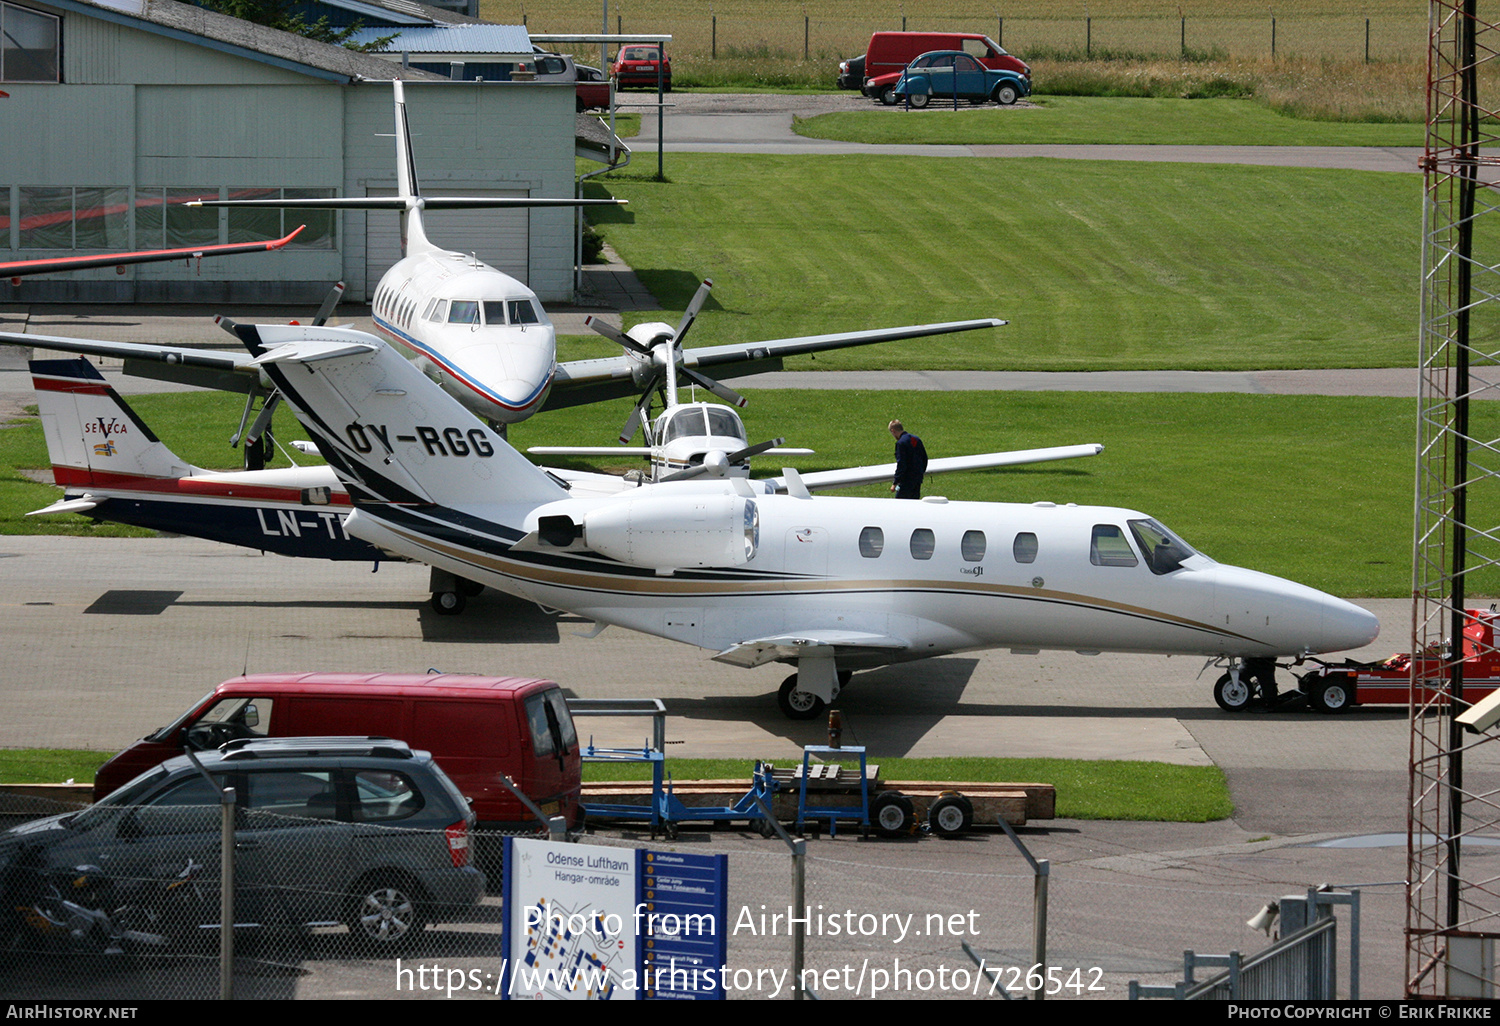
(475, 727)
(890, 52)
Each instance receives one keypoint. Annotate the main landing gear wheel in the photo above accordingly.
(1233, 695)
(798, 705)
(448, 603)
(892, 814)
(1330, 694)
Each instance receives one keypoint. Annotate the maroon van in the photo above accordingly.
(475, 727)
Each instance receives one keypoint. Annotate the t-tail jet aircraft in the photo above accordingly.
(478, 332)
(827, 584)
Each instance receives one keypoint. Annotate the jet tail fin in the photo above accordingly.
(392, 434)
(93, 437)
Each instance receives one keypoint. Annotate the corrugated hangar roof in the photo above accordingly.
(472, 38)
(245, 39)
(398, 12)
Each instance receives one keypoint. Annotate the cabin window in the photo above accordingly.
(724, 422)
(29, 44)
(427, 311)
(972, 546)
(463, 311)
(494, 311)
(439, 311)
(1109, 547)
(522, 312)
(922, 543)
(1163, 551)
(1024, 547)
(871, 542)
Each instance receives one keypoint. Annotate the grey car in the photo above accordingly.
(359, 831)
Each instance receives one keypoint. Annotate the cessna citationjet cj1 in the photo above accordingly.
(827, 584)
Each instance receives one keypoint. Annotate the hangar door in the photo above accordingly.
(501, 238)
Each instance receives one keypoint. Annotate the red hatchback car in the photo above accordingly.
(636, 65)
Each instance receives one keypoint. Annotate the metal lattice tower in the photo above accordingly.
(1453, 903)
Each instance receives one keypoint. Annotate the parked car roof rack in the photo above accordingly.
(284, 747)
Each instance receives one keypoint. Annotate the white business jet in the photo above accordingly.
(827, 584)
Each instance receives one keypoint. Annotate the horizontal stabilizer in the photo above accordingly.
(82, 504)
(795, 646)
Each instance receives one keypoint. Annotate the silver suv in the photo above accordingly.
(359, 831)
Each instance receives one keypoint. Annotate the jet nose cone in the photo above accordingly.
(1348, 626)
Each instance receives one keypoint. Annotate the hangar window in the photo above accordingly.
(922, 543)
(1024, 547)
(871, 542)
(29, 45)
(972, 546)
(1109, 547)
(74, 218)
(258, 224)
(163, 219)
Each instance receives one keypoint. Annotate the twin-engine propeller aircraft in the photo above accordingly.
(828, 584)
(478, 332)
(689, 440)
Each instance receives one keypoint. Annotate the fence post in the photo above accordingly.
(1367, 40)
(1184, 38)
(806, 32)
(714, 50)
(1000, 33)
(1088, 37)
(1273, 37)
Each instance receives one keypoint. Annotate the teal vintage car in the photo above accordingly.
(954, 75)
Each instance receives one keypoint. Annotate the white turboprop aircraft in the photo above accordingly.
(480, 333)
(828, 584)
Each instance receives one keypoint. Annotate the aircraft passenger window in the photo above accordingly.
(1024, 547)
(1109, 547)
(522, 312)
(463, 311)
(972, 546)
(1164, 552)
(922, 543)
(871, 542)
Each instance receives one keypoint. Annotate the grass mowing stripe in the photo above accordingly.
(1098, 265)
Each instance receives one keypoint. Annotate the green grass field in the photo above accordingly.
(1098, 265)
(1072, 120)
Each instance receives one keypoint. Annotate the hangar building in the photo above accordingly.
(120, 111)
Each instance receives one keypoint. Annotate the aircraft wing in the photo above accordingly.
(794, 646)
(587, 381)
(207, 368)
(823, 479)
(21, 268)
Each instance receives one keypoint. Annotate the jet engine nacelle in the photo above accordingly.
(669, 531)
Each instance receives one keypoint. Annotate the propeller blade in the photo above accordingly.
(755, 450)
(637, 413)
(691, 313)
(719, 389)
(615, 335)
(227, 324)
(329, 302)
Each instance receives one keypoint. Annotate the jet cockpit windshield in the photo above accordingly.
(1163, 550)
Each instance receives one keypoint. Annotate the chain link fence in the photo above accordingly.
(335, 910)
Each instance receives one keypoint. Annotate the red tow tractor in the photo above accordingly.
(1334, 687)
